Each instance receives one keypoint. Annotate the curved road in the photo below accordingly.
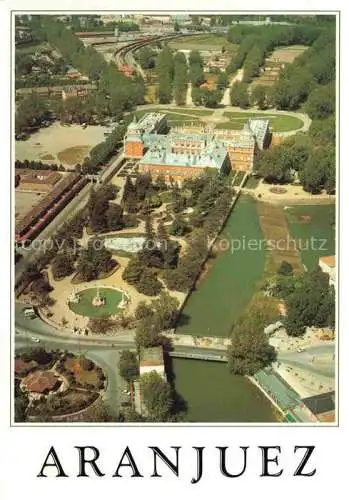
(302, 116)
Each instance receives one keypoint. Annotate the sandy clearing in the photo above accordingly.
(287, 54)
(63, 288)
(57, 138)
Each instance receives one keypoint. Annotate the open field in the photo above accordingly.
(274, 226)
(60, 141)
(25, 201)
(275, 62)
(279, 123)
(287, 54)
(203, 42)
(314, 227)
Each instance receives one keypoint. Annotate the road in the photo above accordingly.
(318, 359)
(77, 203)
(302, 116)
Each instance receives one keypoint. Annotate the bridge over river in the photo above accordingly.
(201, 354)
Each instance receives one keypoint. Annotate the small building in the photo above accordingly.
(322, 406)
(328, 266)
(152, 359)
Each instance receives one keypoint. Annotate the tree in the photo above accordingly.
(165, 311)
(222, 80)
(259, 96)
(128, 365)
(62, 265)
(94, 261)
(115, 219)
(149, 283)
(239, 95)
(319, 171)
(102, 325)
(273, 166)
(285, 268)
(178, 227)
(312, 303)
(159, 315)
(133, 271)
(321, 102)
(147, 334)
(143, 311)
(249, 350)
(156, 396)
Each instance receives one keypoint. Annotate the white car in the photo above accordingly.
(35, 339)
(300, 349)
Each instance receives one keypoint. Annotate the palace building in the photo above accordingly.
(186, 151)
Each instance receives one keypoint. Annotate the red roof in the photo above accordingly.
(21, 365)
(329, 260)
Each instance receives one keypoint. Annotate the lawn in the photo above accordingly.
(73, 155)
(229, 285)
(312, 226)
(85, 307)
(279, 123)
(276, 231)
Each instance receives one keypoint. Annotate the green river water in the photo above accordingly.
(211, 392)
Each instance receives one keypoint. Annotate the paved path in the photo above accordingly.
(189, 100)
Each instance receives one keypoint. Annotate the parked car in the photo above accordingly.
(29, 312)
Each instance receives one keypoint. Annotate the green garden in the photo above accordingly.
(313, 226)
(85, 307)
